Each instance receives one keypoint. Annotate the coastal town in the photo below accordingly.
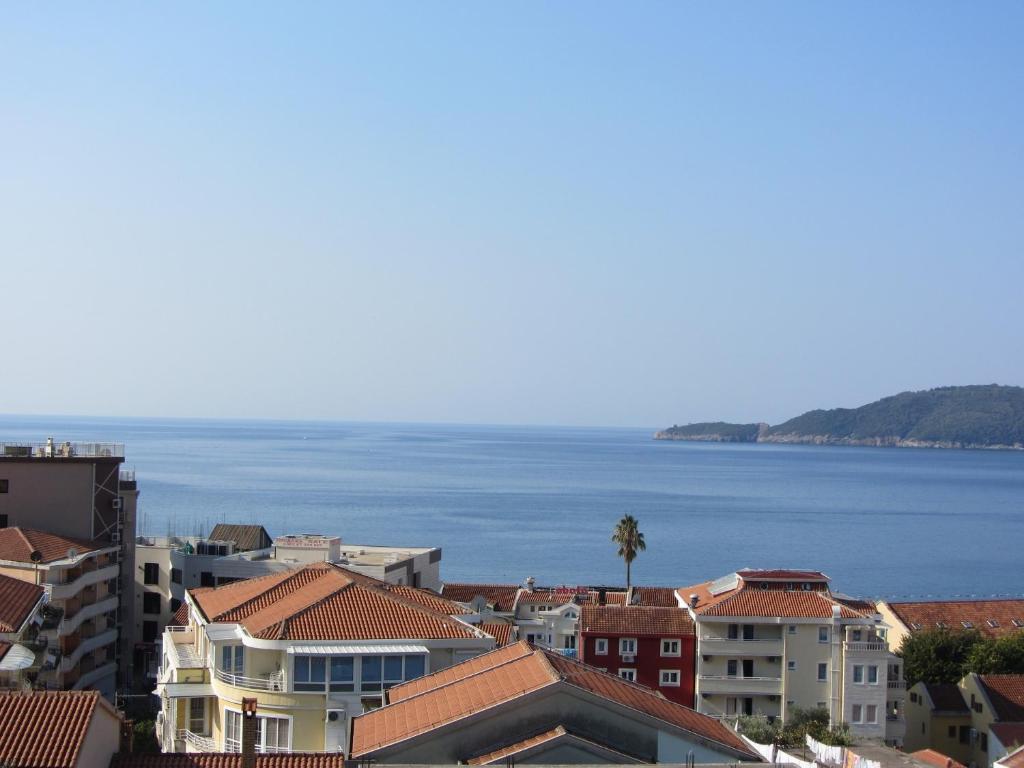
(237, 647)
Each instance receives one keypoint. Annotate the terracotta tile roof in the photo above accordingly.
(1006, 692)
(519, 746)
(246, 537)
(481, 663)
(4, 648)
(993, 618)
(443, 699)
(427, 598)
(1010, 735)
(750, 601)
(180, 617)
(17, 600)
(224, 760)
(501, 596)
(946, 697)
(610, 598)
(542, 596)
(662, 597)
(502, 633)
(754, 574)
(937, 759)
(326, 602)
(635, 620)
(1013, 759)
(18, 544)
(45, 728)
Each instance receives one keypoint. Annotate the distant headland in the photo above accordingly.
(978, 416)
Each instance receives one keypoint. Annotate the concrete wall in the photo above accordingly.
(49, 496)
(927, 729)
(102, 739)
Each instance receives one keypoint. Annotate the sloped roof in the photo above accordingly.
(477, 664)
(246, 537)
(993, 618)
(45, 728)
(1012, 759)
(635, 620)
(662, 597)
(748, 601)
(502, 633)
(946, 697)
(1006, 692)
(180, 617)
(17, 545)
(501, 596)
(755, 574)
(937, 759)
(224, 760)
(508, 674)
(1010, 735)
(17, 600)
(559, 733)
(327, 602)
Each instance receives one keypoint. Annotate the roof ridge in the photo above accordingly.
(415, 605)
(24, 537)
(292, 575)
(313, 596)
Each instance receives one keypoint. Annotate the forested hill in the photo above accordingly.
(979, 416)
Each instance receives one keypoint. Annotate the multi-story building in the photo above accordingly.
(991, 618)
(996, 703)
(772, 640)
(79, 620)
(314, 646)
(20, 604)
(652, 646)
(80, 492)
(938, 718)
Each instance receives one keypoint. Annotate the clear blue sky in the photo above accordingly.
(571, 213)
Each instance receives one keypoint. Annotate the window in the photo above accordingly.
(151, 573)
(993, 623)
(941, 625)
(822, 671)
(734, 632)
(3, 521)
(856, 716)
(871, 713)
(232, 659)
(792, 629)
(206, 579)
(791, 665)
(601, 646)
(371, 673)
(415, 666)
(311, 673)
(965, 734)
(669, 647)
(628, 674)
(627, 645)
(175, 575)
(343, 674)
(872, 675)
(984, 741)
(858, 673)
(669, 677)
(856, 635)
(1017, 622)
(149, 631)
(533, 609)
(913, 698)
(272, 733)
(151, 602)
(822, 634)
(968, 624)
(392, 671)
(748, 631)
(197, 715)
(5, 485)
(730, 667)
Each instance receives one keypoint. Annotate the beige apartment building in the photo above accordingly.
(79, 491)
(772, 640)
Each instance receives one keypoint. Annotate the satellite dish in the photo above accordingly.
(72, 553)
(36, 556)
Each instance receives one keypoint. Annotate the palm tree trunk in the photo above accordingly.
(627, 574)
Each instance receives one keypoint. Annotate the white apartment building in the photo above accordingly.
(315, 645)
(772, 640)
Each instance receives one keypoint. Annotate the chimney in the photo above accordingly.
(127, 742)
(602, 596)
(530, 581)
(693, 601)
(250, 731)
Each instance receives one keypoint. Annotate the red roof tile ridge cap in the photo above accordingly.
(292, 575)
(24, 537)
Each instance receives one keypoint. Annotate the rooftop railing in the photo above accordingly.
(50, 449)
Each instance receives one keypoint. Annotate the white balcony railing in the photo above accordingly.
(67, 626)
(70, 661)
(96, 674)
(272, 682)
(873, 646)
(72, 588)
(733, 646)
(897, 685)
(748, 685)
(196, 743)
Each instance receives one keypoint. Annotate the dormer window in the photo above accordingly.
(914, 625)
(968, 624)
(941, 625)
(993, 623)
(1017, 622)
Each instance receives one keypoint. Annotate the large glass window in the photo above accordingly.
(392, 670)
(371, 673)
(272, 733)
(232, 659)
(342, 673)
(415, 666)
(310, 673)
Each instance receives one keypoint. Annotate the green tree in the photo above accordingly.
(627, 535)
(937, 655)
(1001, 656)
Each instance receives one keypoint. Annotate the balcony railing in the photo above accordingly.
(70, 623)
(272, 682)
(751, 685)
(67, 450)
(70, 588)
(897, 685)
(197, 742)
(874, 645)
(737, 646)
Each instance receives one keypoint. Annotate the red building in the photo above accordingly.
(653, 646)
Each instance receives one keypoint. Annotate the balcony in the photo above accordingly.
(871, 646)
(181, 653)
(753, 686)
(68, 662)
(195, 742)
(272, 682)
(71, 623)
(50, 449)
(69, 589)
(725, 646)
(89, 678)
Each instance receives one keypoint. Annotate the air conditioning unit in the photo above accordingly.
(115, 502)
(335, 715)
(629, 658)
(773, 698)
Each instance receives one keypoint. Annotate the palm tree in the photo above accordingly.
(627, 535)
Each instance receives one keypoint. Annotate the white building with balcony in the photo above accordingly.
(769, 641)
(314, 645)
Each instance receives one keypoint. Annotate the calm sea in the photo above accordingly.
(510, 502)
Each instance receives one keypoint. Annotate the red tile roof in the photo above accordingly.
(45, 728)
(610, 598)
(223, 760)
(501, 596)
(18, 599)
(1010, 735)
(635, 620)
(559, 733)
(946, 697)
(326, 602)
(937, 759)
(1013, 759)
(481, 663)
(508, 674)
(662, 597)
(4, 648)
(754, 574)
(545, 596)
(180, 617)
(750, 601)
(503, 634)
(1006, 692)
(993, 618)
(18, 544)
